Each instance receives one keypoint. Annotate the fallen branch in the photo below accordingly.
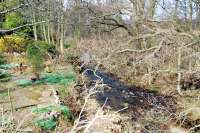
(161, 32)
(192, 43)
(95, 117)
(22, 107)
(11, 31)
(152, 34)
(137, 51)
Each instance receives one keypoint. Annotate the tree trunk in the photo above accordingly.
(191, 13)
(62, 39)
(175, 16)
(185, 10)
(179, 71)
(62, 29)
(44, 32)
(35, 27)
(151, 9)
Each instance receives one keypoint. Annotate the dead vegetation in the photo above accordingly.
(135, 66)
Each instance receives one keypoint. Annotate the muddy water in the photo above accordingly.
(120, 95)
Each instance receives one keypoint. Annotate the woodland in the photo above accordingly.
(99, 66)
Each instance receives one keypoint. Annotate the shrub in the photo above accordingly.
(35, 55)
(13, 20)
(2, 45)
(13, 43)
(47, 48)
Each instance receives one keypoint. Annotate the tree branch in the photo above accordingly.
(11, 31)
(13, 9)
(137, 51)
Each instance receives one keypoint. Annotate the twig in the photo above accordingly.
(196, 126)
(76, 123)
(95, 117)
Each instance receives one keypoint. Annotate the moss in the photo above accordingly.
(154, 88)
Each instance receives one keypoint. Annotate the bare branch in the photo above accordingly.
(137, 51)
(11, 31)
(13, 9)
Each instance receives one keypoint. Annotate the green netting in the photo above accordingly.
(59, 77)
(42, 109)
(49, 123)
(8, 66)
(2, 72)
(4, 76)
(2, 95)
(64, 110)
(52, 78)
(2, 59)
(24, 82)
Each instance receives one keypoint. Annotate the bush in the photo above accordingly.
(13, 43)
(49, 48)
(35, 55)
(13, 20)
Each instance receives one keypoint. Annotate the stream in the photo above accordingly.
(121, 96)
